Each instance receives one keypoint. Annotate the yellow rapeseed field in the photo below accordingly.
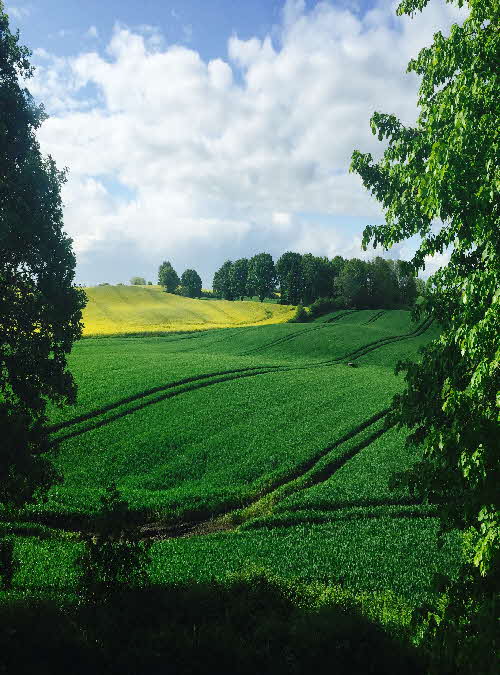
(148, 309)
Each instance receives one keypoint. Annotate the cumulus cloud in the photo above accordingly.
(200, 161)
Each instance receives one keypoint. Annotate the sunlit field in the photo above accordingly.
(125, 310)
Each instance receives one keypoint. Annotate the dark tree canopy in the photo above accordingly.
(223, 281)
(168, 277)
(261, 276)
(40, 308)
(239, 278)
(446, 169)
(352, 284)
(191, 284)
(290, 275)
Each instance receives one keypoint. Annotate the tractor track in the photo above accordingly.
(375, 317)
(148, 528)
(207, 379)
(337, 317)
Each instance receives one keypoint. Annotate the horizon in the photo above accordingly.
(198, 134)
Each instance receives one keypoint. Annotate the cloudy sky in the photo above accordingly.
(198, 131)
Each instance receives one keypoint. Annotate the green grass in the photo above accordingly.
(195, 425)
(372, 554)
(265, 423)
(363, 481)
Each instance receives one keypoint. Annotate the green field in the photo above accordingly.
(265, 429)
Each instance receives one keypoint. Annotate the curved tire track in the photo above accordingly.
(213, 378)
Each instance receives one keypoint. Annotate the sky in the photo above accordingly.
(198, 131)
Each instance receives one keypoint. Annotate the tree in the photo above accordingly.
(168, 277)
(318, 275)
(239, 278)
(261, 276)
(352, 284)
(383, 288)
(191, 284)
(446, 168)
(223, 281)
(407, 283)
(138, 281)
(40, 308)
(291, 278)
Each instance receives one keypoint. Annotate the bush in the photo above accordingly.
(323, 306)
(301, 315)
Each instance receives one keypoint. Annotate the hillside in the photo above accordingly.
(254, 449)
(121, 310)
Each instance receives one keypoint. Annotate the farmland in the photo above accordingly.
(115, 310)
(243, 451)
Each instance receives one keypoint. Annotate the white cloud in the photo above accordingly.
(92, 33)
(219, 155)
(18, 12)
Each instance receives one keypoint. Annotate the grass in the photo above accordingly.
(115, 310)
(190, 426)
(363, 481)
(269, 432)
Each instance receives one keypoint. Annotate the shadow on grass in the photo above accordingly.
(247, 626)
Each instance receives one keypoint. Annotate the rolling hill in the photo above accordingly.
(125, 310)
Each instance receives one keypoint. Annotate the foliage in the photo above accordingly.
(239, 278)
(301, 315)
(290, 275)
(446, 169)
(40, 309)
(8, 563)
(190, 284)
(137, 281)
(112, 558)
(168, 277)
(319, 274)
(261, 276)
(250, 623)
(322, 306)
(352, 284)
(223, 281)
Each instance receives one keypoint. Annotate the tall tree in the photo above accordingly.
(191, 284)
(239, 278)
(447, 168)
(407, 283)
(318, 274)
(223, 281)
(352, 284)
(168, 277)
(261, 276)
(383, 288)
(291, 278)
(40, 308)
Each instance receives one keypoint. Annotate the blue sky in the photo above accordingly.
(199, 131)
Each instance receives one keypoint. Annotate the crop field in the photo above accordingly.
(264, 432)
(115, 310)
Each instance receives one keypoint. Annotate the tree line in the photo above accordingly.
(305, 278)
(188, 285)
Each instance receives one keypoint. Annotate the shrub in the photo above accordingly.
(323, 306)
(301, 315)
